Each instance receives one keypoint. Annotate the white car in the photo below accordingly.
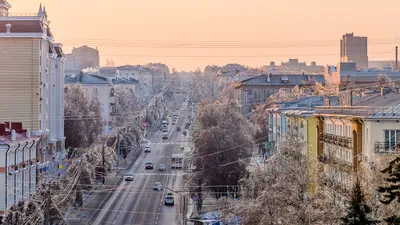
(157, 186)
(169, 199)
(128, 177)
(147, 149)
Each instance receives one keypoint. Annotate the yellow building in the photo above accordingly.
(304, 125)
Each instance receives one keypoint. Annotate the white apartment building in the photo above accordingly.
(382, 133)
(144, 77)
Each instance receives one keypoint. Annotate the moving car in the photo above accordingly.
(157, 186)
(148, 165)
(162, 167)
(165, 129)
(169, 199)
(147, 149)
(178, 128)
(184, 133)
(164, 137)
(173, 123)
(129, 177)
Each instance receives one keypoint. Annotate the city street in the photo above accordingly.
(135, 202)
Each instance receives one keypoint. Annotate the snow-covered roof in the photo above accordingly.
(87, 79)
(275, 80)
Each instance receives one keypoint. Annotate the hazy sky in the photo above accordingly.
(308, 30)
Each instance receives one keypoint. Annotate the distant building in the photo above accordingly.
(354, 49)
(100, 87)
(293, 66)
(86, 57)
(108, 72)
(71, 62)
(346, 72)
(256, 90)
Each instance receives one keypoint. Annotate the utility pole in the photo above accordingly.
(47, 208)
(103, 163)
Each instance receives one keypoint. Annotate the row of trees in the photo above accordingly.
(288, 189)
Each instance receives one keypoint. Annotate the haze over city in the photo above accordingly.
(199, 112)
(296, 26)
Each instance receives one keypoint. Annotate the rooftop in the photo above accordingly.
(277, 80)
(86, 79)
(392, 112)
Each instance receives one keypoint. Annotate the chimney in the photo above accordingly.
(397, 60)
(13, 135)
(8, 28)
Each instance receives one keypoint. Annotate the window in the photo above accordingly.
(367, 135)
(341, 130)
(392, 137)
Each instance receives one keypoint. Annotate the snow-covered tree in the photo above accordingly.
(127, 105)
(328, 89)
(223, 143)
(82, 117)
(282, 191)
(383, 81)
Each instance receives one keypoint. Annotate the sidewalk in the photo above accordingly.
(98, 197)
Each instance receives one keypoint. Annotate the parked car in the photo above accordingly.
(169, 199)
(148, 165)
(162, 167)
(184, 133)
(158, 186)
(147, 149)
(129, 177)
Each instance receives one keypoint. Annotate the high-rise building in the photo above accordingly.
(354, 49)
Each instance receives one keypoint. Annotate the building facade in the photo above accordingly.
(258, 89)
(20, 166)
(32, 70)
(354, 49)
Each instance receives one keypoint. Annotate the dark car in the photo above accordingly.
(184, 133)
(164, 137)
(148, 165)
(178, 128)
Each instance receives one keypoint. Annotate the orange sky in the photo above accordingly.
(302, 23)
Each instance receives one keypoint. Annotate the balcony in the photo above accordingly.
(336, 140)
(387, 147)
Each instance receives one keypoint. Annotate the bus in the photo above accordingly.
(177, 161)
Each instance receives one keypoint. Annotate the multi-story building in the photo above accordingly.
(354, 49)
(382, 133)
(144, 75)
(100, 87)
(32, 73)
(347, 73)
(20, 165)
(257, 89)
(86, 57)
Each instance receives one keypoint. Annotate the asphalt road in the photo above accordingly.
(135, 202)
